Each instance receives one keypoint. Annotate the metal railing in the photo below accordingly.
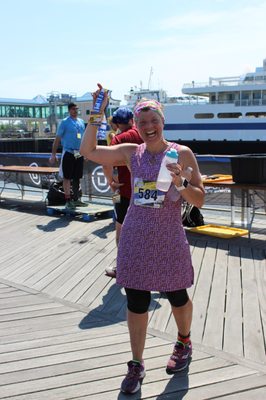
(223, 82)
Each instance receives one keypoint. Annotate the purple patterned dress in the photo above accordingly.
(153, 251)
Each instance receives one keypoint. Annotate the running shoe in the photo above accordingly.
(70, 205)
(133, 378)
(180, 358)
(110, 271)
(79, 203)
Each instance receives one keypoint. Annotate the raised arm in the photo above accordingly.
(105, 155)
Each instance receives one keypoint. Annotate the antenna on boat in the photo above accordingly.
(149, 82)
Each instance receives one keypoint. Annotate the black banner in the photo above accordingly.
(93, 183)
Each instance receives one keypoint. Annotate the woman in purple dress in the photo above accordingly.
(153, 252)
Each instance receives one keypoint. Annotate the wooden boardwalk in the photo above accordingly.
(63, 328)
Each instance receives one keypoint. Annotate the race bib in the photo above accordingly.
(146, 194)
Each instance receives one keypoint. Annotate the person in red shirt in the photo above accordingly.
(121, 183)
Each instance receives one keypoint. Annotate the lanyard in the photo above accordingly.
(76, 124)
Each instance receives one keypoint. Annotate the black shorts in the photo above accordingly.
(138, 301)
(72, 167)
(121, 209)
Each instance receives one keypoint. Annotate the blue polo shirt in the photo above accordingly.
(71, 132)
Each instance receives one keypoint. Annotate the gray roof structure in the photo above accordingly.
(39, 100)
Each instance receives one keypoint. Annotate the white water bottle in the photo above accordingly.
(164, 179)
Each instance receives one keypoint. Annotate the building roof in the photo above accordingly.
(86, 97)
(36, 100)
(39, 100)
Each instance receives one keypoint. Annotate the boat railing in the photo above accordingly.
(240, 103)
(216, 83)
(237, 103)
(256, 102)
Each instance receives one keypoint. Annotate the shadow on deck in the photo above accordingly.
(63, 322)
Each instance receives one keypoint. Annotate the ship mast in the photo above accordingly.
(149, 82)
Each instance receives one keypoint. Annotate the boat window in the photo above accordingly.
(229, 115)
(249, 78)
(256, 114)
(257, 95)
(245, 95)
(204, 116)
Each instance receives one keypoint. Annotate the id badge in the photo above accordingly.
(146, 194)
(77, 154)
(78, 135)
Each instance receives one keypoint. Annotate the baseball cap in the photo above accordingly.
(122, 115)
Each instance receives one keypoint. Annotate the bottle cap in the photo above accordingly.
(172, 153)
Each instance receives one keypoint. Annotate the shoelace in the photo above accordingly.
(133, 371)
(178, 350)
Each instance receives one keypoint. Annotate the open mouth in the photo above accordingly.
(151, 134)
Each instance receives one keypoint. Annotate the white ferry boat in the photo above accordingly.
(225, 115)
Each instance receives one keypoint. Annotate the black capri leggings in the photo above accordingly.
(138, 301)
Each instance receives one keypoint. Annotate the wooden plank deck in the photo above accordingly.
(63, 328)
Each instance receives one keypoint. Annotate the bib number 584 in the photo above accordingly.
(147, 194)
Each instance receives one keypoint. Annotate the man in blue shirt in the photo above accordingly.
(70, 133)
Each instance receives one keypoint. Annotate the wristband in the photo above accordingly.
(95, 118)
(183, 186)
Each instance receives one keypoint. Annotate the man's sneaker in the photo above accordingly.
(133, 378)
(70, 205)
(79, 203)
(110, 271)
(180, 358)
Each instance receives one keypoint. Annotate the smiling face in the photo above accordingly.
(150, 127)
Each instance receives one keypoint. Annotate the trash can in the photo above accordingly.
(249, 168)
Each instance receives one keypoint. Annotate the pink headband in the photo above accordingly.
(153, 105)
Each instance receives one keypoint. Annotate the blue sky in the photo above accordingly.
(70, 45)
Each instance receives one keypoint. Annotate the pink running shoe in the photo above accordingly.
(133, 378)
(180, 358)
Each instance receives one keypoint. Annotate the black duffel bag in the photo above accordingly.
(56, 195)
(191, 216)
